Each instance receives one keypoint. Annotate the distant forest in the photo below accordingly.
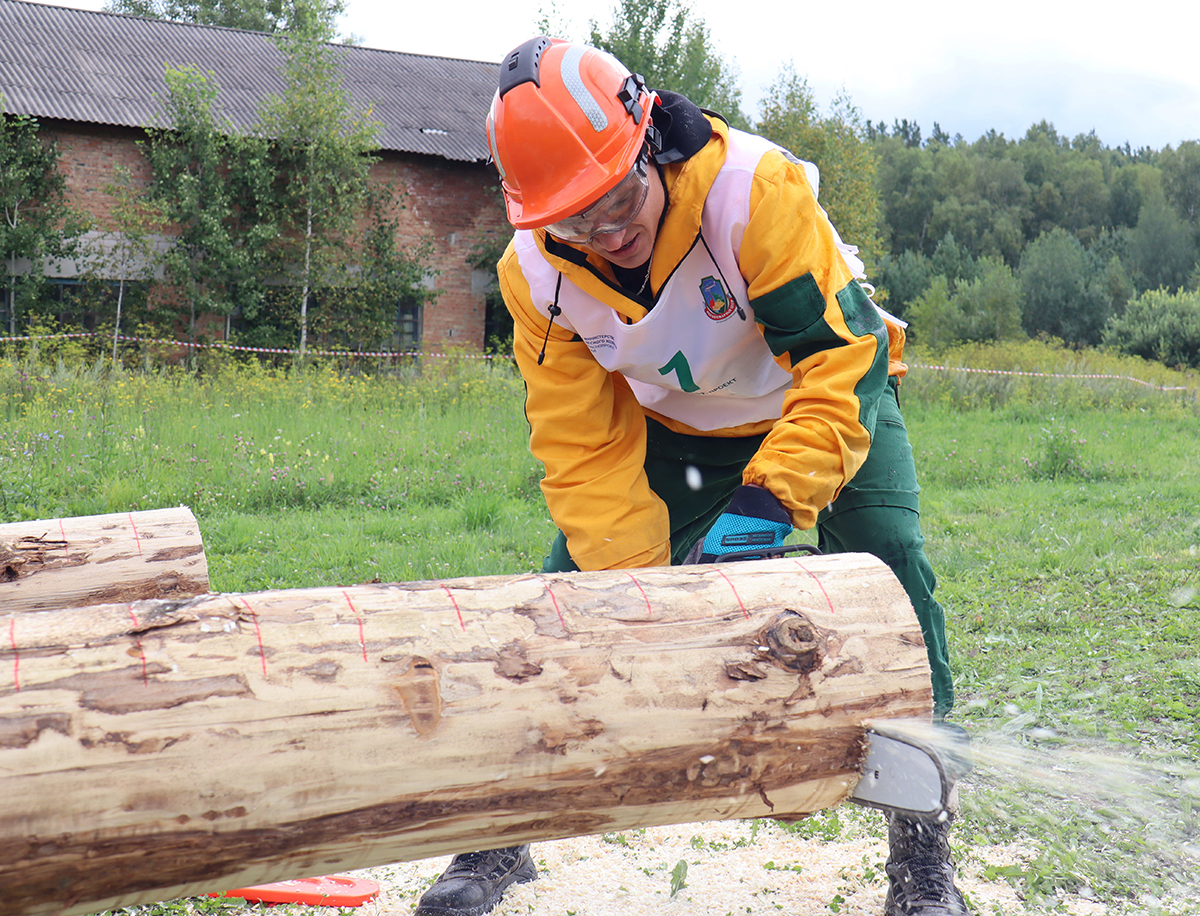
(1043, 234)
(989, 239)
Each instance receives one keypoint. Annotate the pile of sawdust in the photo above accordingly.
(732, 867)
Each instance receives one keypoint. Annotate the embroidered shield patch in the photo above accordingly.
(718, 305)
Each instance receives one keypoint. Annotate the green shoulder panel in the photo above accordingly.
(793, 320)
(863, 318)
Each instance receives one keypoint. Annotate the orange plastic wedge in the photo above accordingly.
(329, 890)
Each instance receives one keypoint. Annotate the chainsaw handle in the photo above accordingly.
(767, 553)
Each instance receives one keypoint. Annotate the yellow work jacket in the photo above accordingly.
(753, 323)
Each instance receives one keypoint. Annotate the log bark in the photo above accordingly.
(101, 559)
(157, 749)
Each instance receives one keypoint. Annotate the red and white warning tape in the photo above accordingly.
(1121, 378)
(220, 345)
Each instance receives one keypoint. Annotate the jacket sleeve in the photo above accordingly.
(589, 431)
(822, 328)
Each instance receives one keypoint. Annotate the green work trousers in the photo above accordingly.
(877, 513)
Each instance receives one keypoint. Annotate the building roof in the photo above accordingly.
(102, 68)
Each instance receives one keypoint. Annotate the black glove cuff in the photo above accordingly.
(758, 503)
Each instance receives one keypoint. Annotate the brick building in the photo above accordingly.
(94, 81)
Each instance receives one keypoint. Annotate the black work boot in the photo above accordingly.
(474, 882)
(919, 869)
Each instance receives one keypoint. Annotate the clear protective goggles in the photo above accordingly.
(612, 212)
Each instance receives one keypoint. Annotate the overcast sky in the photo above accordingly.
(1130, 73)
(1125, 71)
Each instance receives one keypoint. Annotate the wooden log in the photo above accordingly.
(167, 748)
(101, 559)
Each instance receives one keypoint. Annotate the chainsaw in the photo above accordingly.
(911, 766)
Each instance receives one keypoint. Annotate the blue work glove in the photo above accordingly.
(753, 518)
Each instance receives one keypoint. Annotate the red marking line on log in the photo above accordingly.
(63, 531)
(358, 617)
(136, 539)
(557, 609)
(137, 641)
(12, 639)
(828, 600)
(649, 610)
(450, 595)
(258, 633)
(745, 613)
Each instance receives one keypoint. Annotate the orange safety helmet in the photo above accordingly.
(566, 125)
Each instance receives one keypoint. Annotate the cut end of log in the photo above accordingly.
(101, 559)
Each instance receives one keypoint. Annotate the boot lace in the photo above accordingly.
(921, 873)
(484, 862)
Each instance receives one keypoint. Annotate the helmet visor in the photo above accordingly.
(612, 212)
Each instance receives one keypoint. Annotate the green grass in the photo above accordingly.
(296, 480)
(1062, 517)
(1063, 521)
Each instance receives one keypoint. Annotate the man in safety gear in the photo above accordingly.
(704, 370)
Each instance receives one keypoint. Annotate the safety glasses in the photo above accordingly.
(612, 212)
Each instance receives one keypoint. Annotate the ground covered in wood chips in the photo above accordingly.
(732, 867)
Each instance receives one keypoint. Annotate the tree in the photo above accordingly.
(1065, 291)
(37, 222)
(1086, 198)
(907, 132)
(939, 136)
(126, 249)
(1116, 281)
(1042, 152)
(931, 316)
(837, 144)
(1161, 246)
(1159, 325)
(253, 15)
(1125, 195)
(672, 49)
(1181, 179)
(382, 279)
(907, 185)
(984, 308)
(323, 147)
(989, 306)
(952, 260)
(254, 224)
(905, 277)
(980, 197)
(194, 191)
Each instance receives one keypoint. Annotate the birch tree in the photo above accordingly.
(128, 249)
(323, 147)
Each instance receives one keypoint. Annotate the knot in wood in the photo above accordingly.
(794, 642)
(10, 563)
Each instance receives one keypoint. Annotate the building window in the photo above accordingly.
(70, 305)
(408, 326)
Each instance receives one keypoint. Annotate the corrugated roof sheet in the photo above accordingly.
(102, 68)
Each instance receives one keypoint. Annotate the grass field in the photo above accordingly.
(1062, 517)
